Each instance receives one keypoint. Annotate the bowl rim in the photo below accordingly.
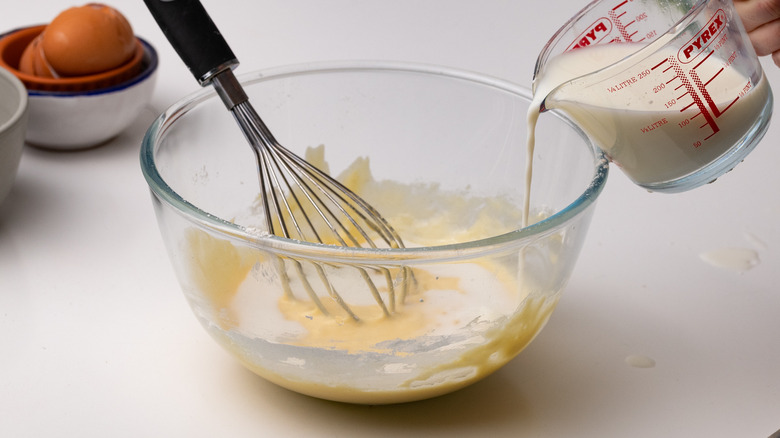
(20, 110)
(367, 256)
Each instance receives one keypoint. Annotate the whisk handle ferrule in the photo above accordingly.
(229, 89)
(194, 36)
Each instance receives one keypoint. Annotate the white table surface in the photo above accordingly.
(96, 338)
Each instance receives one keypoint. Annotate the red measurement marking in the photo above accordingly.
(660, 64)
(615, 18)
(710, 102)
(620, 5)
(664, 70)
(709, 119)
(705, 58)
(713, 77)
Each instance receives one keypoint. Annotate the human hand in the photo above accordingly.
(762, 22)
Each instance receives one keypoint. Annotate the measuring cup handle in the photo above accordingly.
(194, 36)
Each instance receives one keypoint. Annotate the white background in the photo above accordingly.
(96, 338)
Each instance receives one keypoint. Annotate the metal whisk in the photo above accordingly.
(300, 201)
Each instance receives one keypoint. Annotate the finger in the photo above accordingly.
(776, 58)
(755, 13)
(766, 38)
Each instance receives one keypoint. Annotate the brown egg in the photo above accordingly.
(27, 61)
(87, 39)
(32, 61)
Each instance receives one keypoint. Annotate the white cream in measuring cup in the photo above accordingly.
(672, 91)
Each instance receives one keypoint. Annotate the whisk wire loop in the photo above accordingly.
(300, 201)
(346, 215)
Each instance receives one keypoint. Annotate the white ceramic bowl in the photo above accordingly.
(13, 122)
(78, 120)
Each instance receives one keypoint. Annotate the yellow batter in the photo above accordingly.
(458, 323)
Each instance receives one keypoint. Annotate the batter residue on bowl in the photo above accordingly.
(458, 323)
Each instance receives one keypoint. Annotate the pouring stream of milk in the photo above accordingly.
(559, 70)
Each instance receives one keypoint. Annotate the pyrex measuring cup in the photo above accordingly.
(671, 90)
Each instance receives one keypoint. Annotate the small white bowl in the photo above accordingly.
(13, 122)
(83, 119)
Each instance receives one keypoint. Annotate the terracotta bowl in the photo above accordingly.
(12, 46)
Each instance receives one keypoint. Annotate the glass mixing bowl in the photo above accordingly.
(446, 159)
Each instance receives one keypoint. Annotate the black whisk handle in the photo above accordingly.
(194, 36)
